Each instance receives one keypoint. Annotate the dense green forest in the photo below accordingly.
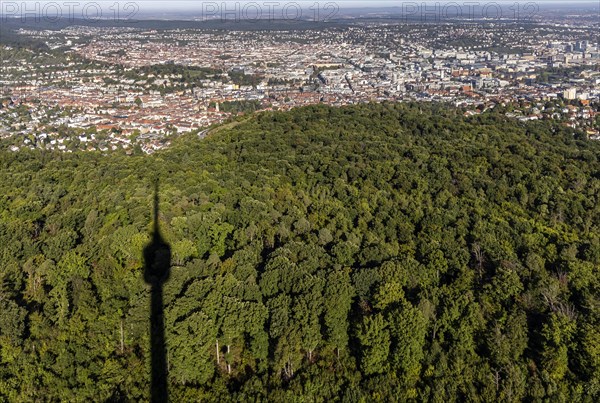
(383, 252)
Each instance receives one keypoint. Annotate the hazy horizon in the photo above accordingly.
(185, 10)
(194, 5)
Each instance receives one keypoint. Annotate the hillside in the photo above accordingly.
(366, 253)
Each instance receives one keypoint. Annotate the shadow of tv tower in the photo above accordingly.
(157, 265)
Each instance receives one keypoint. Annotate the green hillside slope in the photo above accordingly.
(366, 253)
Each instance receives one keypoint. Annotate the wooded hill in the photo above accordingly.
(383, 252)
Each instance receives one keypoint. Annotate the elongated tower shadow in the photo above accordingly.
(157, 265)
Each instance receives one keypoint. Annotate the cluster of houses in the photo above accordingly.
(114, 95)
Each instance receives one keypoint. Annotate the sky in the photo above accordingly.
(139, 8)
(179, 4)
(158, 4)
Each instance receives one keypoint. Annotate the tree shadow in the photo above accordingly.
(157, 265)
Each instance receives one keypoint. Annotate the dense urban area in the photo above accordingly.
(133, 89)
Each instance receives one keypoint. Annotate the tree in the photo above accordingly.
(374, 338)
(339, 293)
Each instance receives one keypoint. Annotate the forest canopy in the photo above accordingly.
(379, 252)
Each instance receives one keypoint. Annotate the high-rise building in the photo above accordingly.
(570, 94)
(582, 46)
